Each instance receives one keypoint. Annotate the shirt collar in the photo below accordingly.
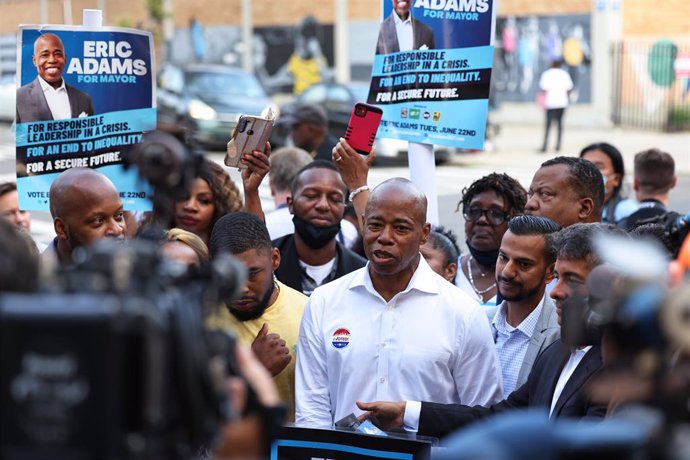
(422, 280)
(527, 326)
(398, 21)
(45, 86)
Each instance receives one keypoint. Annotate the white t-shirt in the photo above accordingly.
(556, 83)
(318, 272)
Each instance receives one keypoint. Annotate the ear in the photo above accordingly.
(550, 273)
(673, 182)
(636, 185)
(60, 228)
(450, 271)
(425, 233)
(586, 208)
(290, 203)
(275, 259)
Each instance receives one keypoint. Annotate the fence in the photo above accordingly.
(651, 85)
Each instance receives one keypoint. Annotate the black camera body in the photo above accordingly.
(116, 364)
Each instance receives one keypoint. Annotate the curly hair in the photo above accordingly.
(226, 195)
(505, 186)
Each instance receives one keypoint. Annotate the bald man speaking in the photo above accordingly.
(48, 97)
(85, 207)
(394, 327)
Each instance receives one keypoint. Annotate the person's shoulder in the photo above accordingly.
(334, 290)
(292, 296)
(455, 298)
(23, 90)
(75, 90)
(283, 241)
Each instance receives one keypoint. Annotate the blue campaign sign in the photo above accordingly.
(107, 103)
(432, 70)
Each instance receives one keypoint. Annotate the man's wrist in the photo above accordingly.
(357, 191)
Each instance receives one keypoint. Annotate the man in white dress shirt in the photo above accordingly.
(48, 97)
(403, 32)
(393, 329)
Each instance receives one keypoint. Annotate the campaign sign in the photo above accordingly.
(107, 102)
(432, 70)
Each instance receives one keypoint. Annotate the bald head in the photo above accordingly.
(75, 186)
(52, 39)
(86, 207)
(412, 200)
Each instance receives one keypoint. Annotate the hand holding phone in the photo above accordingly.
(251, 133)
(361, 130)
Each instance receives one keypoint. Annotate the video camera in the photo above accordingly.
(109, 359)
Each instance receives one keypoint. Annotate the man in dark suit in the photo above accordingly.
(48, 97)
(402, 32)
(556, 383)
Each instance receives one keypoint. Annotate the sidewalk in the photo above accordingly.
(517, 143)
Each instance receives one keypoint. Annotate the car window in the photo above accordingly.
(313, 95)
(230, 84)
(171, 79)
(338, 94)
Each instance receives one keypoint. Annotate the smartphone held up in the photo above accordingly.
(362, 128)
(251, 133)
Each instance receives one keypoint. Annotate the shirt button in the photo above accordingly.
(382, 380)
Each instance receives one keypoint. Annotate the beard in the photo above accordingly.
(521, 294)
(257, 310)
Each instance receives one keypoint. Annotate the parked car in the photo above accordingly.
(207, 100)
(338, 100)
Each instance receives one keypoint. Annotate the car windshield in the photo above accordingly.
(227, 84)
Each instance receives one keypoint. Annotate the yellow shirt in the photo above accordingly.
(283, 318)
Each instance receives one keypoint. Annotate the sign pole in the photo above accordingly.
(420, 158)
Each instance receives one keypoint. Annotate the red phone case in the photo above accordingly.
(361, 130)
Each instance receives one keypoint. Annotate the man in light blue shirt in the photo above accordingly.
(525, 323)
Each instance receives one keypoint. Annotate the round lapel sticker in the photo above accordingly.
(341, 338)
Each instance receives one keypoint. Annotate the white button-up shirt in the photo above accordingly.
(512, 343)
(430, 342)
(57, 99)
(404, 31)
(576, 356)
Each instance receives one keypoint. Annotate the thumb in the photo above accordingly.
(365, 405)
(370, 158)
(263, 332)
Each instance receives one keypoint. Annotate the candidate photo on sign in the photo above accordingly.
(48, 97)
(402, 32)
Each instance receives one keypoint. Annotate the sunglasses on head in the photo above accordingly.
(494, 216)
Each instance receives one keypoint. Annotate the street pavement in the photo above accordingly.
(515, 153)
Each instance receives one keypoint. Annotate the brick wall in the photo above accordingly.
(640, 17)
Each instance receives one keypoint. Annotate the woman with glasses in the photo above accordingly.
(487, 205)
(609, 162)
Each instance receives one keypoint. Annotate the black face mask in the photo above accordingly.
(313, 236)
(485, 258)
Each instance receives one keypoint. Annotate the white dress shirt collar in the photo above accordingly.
(422, 280)
(45, 86)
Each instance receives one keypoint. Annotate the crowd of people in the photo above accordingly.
(378, 313)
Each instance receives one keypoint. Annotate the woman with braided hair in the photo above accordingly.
(487, 206)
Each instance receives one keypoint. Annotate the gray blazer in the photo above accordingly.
(387, 41)
(32, 104)
(546, 332)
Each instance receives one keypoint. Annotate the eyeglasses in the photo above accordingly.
(494, 216)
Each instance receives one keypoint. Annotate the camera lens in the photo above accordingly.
(360, 111)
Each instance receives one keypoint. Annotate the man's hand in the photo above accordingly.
(257, 166)
(389, 414)
(353, 167)
(271, 351)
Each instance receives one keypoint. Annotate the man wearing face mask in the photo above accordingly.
(312, 256)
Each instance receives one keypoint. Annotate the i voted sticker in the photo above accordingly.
(341, 338)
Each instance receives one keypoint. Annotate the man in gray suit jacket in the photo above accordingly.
(525, 323)
(401, 28)
(48, 97)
